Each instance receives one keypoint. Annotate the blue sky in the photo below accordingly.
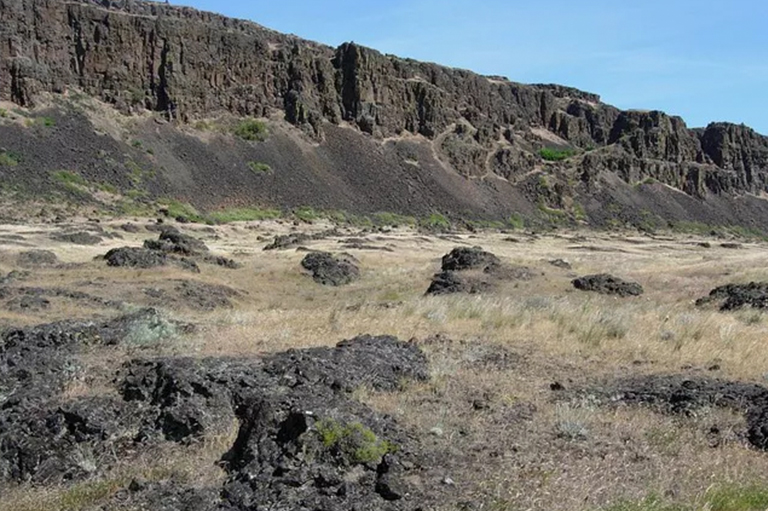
(704, 60)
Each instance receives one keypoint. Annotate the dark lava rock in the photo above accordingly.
(474, 258)
(37, 258)
(331, 270)
(472, 270)
(608, 285)
(288, 241)
(303, 442)
(134, 257)
(386, 360)
(679, 394)
(173, 242)
(449, 282)
(78, 238)
(734, 246)
(737, 296)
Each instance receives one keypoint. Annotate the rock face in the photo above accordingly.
(187, 65)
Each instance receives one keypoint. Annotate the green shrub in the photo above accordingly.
(516, 221)
(353, 441)
(554, 216)
(148, 330)
(8, 159)
(259, 168)
(578, 212)
(552, 154)
(3, 113)
(178, 209)
(435, 222)
(306, 214)
(69, 179)
(252, 130)
(392, 219)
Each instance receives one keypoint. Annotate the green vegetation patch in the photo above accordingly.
(178, 209)
(306, 214)
(259, 168)
(719, 230)
(435, 222)
(251, 130)
(67, 178)
(353, 441)
(88, 494)
(516, 221)
(718, 498)
(9, 159)
(552, 154)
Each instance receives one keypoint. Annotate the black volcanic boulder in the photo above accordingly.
(174, 242)
(737, 296)
(450, 282)
(330, 270)
(134, 257)
(474, 258)
(608, 285)
(288, 241)
(472, 271)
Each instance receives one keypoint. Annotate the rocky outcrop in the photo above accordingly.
(186, 64)
(303, 441)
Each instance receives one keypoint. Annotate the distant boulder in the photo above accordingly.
(331, 270)
(472, 271)
(608, 285)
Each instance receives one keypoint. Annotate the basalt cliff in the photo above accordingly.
(346, 128)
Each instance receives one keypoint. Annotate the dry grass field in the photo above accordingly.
(505, 439)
